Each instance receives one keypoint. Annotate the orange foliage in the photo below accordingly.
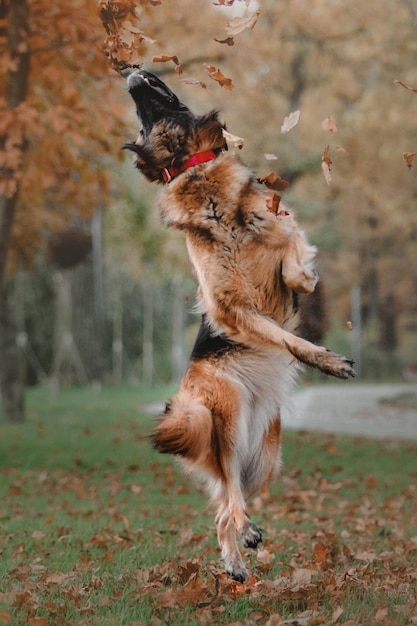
(65, 125)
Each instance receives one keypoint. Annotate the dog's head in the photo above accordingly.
(170, 133)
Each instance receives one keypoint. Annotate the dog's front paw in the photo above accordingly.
(251, 535)
(336, 364)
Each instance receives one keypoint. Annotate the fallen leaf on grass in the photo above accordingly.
(274, 620)
(336, 614)
(5, 617)
(264, 556)
(37, 621)
(290, 121)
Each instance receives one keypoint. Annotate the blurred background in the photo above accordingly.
(93, 289)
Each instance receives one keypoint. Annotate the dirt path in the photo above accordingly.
(353, 409)
(346, 408)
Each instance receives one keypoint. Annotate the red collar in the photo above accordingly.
(168, 173)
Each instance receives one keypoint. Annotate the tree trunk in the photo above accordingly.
(12, 387)
(147, 354)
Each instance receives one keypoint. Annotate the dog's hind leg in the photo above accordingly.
(226, 535)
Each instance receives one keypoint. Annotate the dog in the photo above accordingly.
(250, 262)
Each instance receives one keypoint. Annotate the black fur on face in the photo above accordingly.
(170, 132)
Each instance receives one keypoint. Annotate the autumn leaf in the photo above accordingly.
(193, 81)
(238, 24)
(290, 121)
(37, 621)
(400, 82)
(273, 181)
(164, 58)
(272, 203)
(218, 76)
(325, 165)
(329, 124)
(264, 556)
(229, 41)
(236, 141)
(409, 159)
(340, 149)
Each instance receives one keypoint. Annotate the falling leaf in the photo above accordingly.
(229, 41)
(236, 141)
(238, 24)
(409, 159)
(400, 82)
(218, 76)
(193, 81)
(274, 182)
(290, 121)
(164, 58)
(349, 325)
(329, 124)
(272, 203)
(340, 149)
(325, 165)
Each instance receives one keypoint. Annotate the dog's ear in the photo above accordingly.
(132, 146)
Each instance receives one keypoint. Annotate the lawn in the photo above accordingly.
(98, 529)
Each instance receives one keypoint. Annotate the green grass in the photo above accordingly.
(98, 529)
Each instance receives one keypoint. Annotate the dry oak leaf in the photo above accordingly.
(218, 76)
(163, 58)
(329, 124)
(238, 24)
(290, 121)
(409, 159)
(400, 82)
(272, 203)
(340, 149)
(274, 182)
(325, 165)
(229, 41)
(236, 141)
(193, 81)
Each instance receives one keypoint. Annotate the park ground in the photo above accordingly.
(96, 529)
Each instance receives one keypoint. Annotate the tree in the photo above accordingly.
(58, 138)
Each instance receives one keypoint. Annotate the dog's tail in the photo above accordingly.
(185, 428)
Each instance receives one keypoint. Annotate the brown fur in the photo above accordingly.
(224, 423)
